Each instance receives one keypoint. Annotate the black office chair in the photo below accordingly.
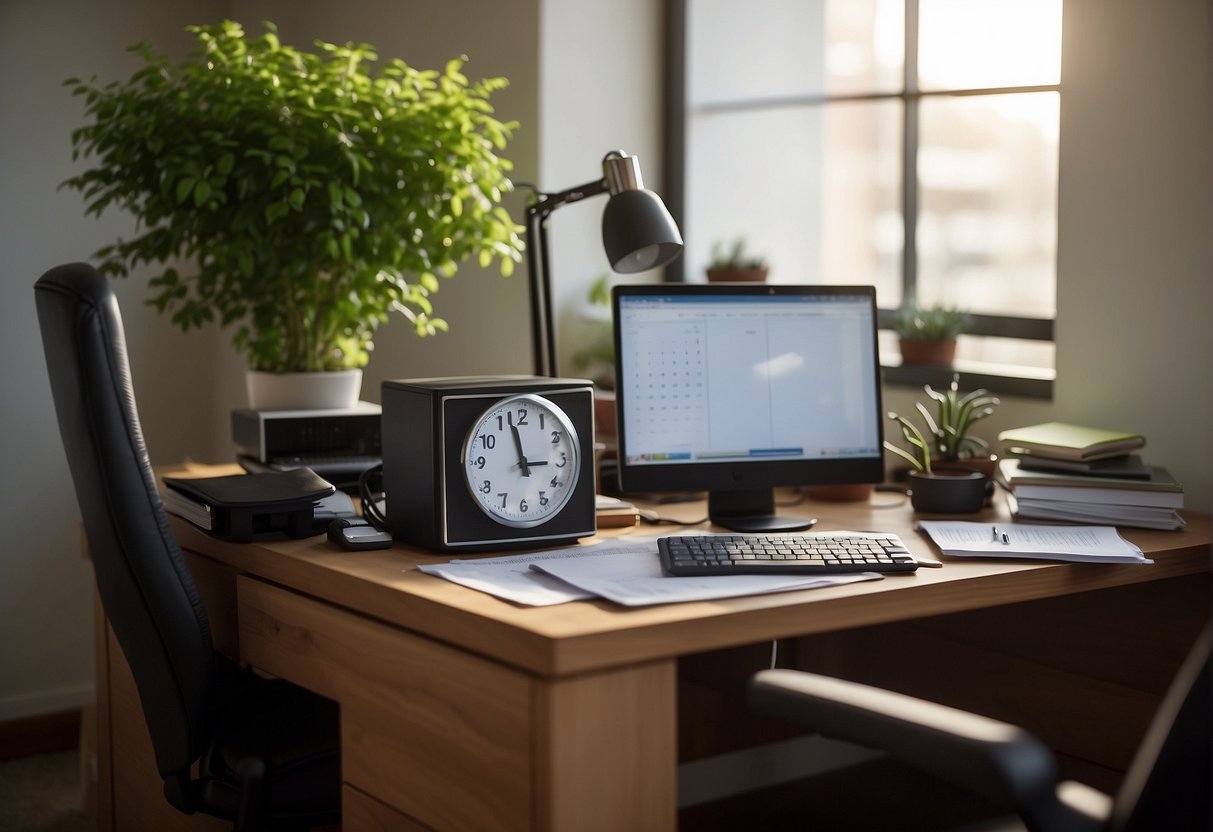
(1167, 785)
(268, 750)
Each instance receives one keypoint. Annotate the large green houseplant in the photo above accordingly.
(299, 197)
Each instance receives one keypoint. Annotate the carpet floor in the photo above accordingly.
(42, 794)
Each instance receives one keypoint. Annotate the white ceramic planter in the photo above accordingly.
(303, 391)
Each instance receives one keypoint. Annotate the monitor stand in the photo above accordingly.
(752, 511)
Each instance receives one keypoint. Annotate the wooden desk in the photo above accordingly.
(462, 711)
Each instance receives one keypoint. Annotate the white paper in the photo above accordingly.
(625, 570)
(1086, 544)
(635, 579)
(511, 577)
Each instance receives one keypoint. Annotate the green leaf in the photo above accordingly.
(184, 187)
(202, 192)
(276, 211)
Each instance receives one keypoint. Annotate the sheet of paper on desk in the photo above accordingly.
(635, 579)
(511, 577)
(1083, 544)
(625, 570)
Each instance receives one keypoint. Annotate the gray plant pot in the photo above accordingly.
(952, 492)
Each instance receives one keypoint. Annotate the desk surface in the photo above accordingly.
(594, 635)
(462, 711)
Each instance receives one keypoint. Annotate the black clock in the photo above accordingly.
(488, 462)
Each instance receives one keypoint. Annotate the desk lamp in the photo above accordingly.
(638, 234)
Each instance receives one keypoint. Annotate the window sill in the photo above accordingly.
(1000, 379)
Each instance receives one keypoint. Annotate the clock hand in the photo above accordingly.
(522, 463)
(538, 462)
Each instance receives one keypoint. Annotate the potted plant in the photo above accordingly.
(734, 264)
(931, 491)
(310, 194)
(952, 445)
(927, 335)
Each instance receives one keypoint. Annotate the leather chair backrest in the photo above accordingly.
(144, 583)
(1169, 784)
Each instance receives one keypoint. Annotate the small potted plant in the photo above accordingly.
(308, 194)
(953, 447)
(931, 491)
(734, 264)
(927, 335)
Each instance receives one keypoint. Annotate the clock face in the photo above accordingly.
(521, 460)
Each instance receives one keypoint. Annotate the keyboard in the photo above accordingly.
(783, 554)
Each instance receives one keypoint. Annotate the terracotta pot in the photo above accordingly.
(947, 492)
(986, 465)
(731, 275)
(927, 352)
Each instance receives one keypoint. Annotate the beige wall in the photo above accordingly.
(1134, 301)
(45, 584)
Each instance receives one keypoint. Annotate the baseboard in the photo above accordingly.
(46, 701)
(43, 734)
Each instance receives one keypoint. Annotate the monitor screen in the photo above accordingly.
(740, 388)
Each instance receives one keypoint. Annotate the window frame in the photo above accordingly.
(1030, 383)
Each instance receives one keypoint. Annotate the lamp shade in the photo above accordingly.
(638, 232)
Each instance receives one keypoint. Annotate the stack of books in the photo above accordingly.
(1074, 473)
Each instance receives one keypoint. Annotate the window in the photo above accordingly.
(793, 124)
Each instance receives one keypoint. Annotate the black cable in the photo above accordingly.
(371, 496)
(655, 519)
(802, 494)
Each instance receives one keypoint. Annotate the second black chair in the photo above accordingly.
(1167, 786)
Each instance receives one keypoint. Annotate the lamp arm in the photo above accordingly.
(537, 275)
(550, 202)
(542, 325)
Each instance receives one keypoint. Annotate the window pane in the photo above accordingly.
(974, 44)
(764, 49)
(862, 228)
(764, 175)
(987, 224)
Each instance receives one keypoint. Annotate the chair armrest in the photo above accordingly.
(998, 761)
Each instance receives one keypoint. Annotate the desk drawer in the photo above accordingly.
(440, 735)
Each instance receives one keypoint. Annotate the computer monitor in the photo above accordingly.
(736, 389)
